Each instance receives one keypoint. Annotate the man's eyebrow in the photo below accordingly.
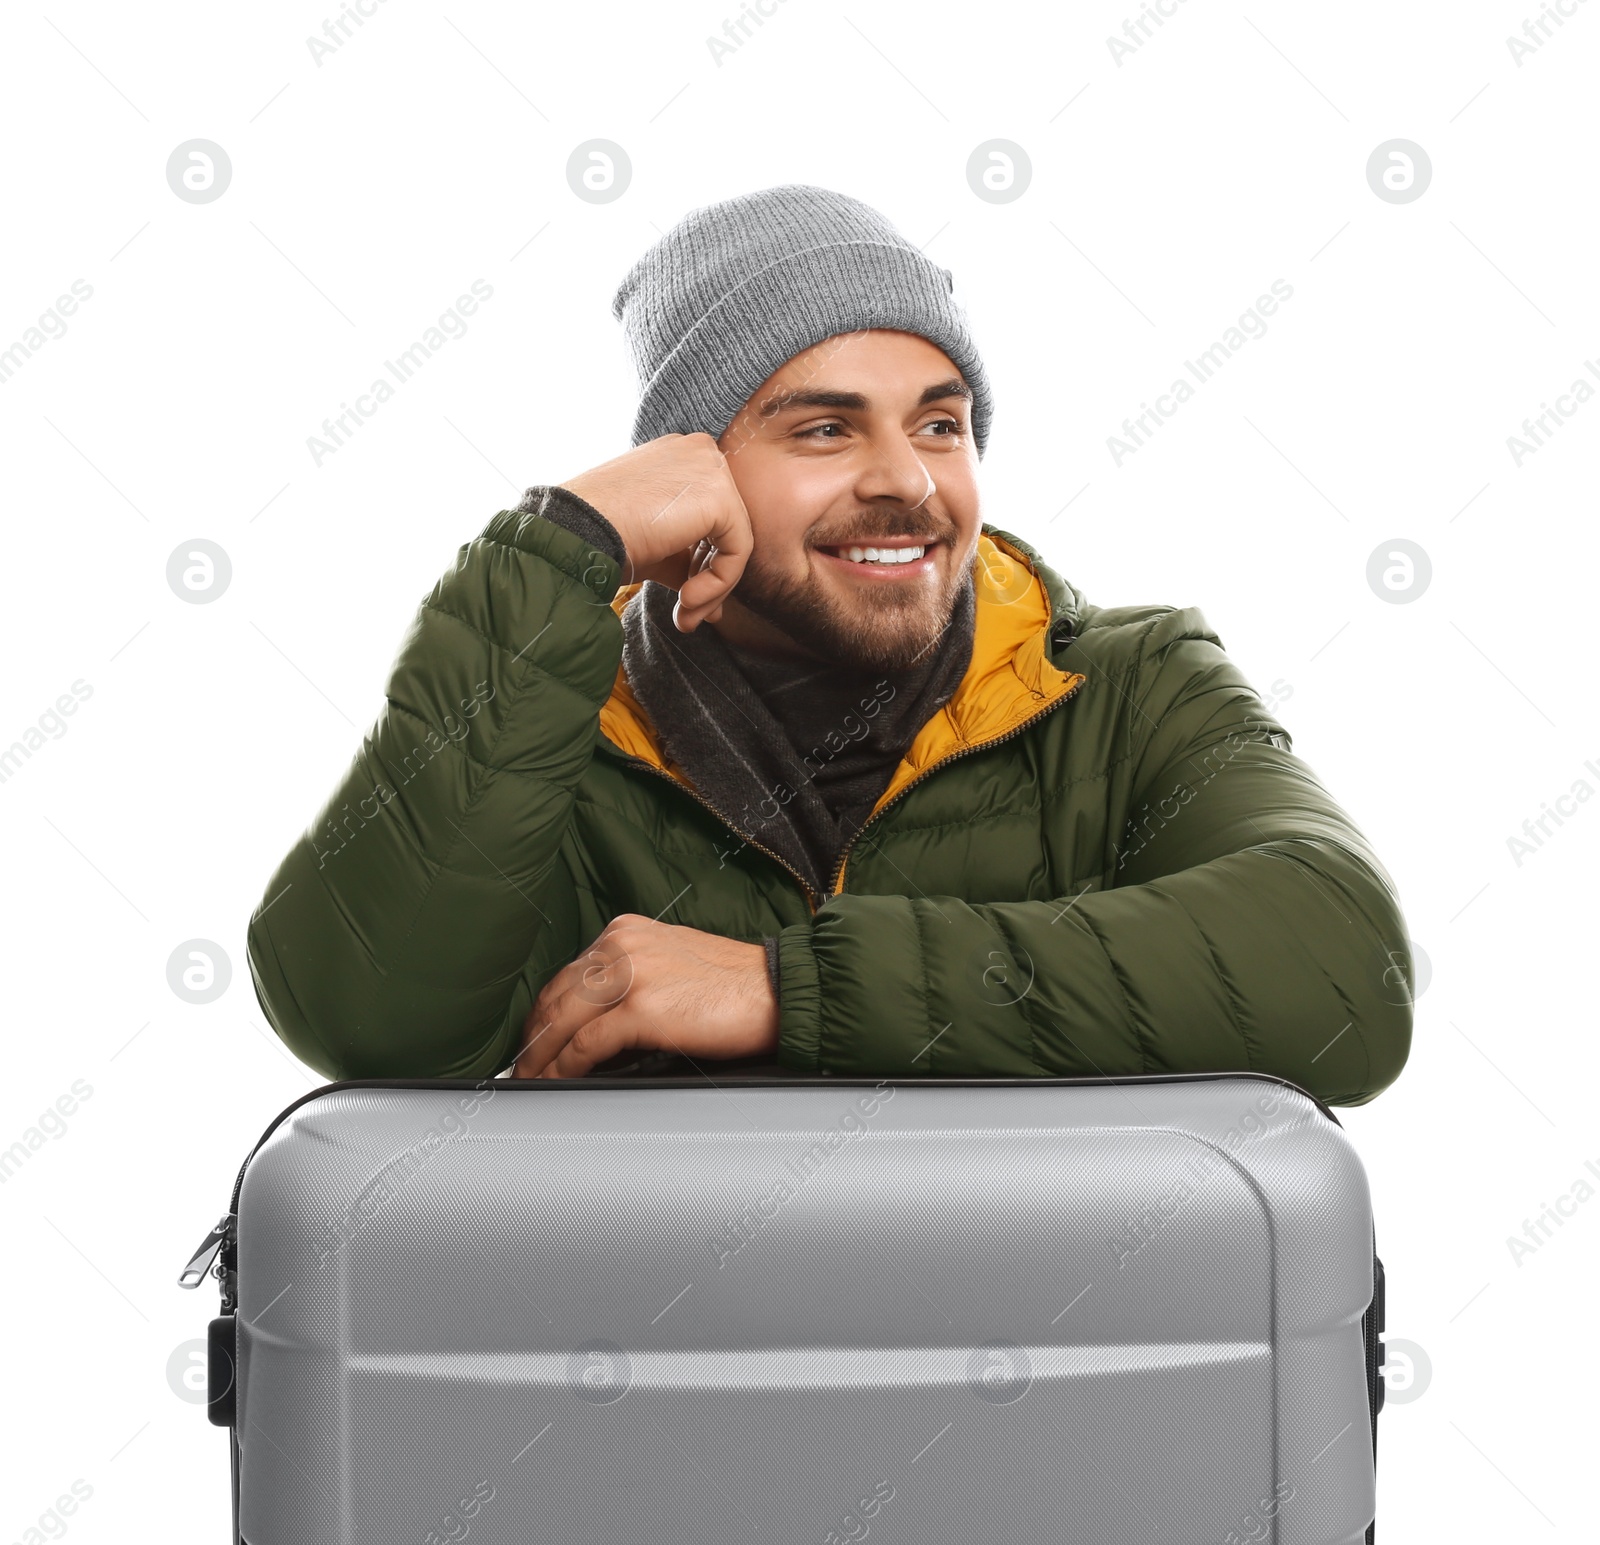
(781, 402)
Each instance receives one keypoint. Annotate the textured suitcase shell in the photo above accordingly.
(809, 1310)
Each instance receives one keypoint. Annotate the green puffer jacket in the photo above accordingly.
(1099, 858)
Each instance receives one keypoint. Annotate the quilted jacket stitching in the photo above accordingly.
(517, 656)
(1279, 851)
(1116, 976)
(927, 996)
(1027, 1015)
(476, 797)
(467, 756)
(1235, 1006)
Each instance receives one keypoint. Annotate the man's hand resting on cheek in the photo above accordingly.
(653, 985)
(674, 503)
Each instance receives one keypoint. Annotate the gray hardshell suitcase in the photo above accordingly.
(802, 1309)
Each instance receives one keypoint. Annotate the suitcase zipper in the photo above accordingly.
(215, 1256)
(200, 1263)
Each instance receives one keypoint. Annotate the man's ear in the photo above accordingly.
(714, 616)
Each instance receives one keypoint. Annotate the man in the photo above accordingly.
(757, 748)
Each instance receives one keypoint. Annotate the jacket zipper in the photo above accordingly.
(811, 895)
(983, 745)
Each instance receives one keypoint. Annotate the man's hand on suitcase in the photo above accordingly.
(654, 985)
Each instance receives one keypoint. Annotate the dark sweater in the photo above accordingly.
(791, 753)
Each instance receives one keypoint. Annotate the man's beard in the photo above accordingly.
(890, 628)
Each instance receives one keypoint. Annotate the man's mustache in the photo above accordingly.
(889, 528)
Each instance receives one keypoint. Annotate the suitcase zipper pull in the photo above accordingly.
(200, 1264)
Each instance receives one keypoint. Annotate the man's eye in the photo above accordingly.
(816, 429)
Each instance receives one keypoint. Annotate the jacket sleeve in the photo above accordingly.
(408, 927)
(1247, 926)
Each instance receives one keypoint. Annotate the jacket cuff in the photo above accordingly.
(770, 944)
(582, 562)
(578, 516)
(799, 1000)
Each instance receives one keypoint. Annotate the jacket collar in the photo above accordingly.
(1021, 604)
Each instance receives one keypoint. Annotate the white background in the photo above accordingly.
(1166, 194)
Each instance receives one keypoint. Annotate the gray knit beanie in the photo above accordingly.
(736, 289)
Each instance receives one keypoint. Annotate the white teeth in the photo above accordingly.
(882, 554)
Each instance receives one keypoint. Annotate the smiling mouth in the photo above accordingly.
(893, 553)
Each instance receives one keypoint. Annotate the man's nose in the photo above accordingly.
(896, 471)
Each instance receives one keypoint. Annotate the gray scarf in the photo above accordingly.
(793, 753)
